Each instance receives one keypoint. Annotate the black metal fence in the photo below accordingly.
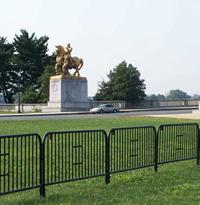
(178, 142)
(27, 162)
(74, 155)
(131, 148)
(19, 162)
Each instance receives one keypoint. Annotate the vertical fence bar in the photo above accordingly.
(198, 145)
(42, 170)
(107, 159)
(156, 152)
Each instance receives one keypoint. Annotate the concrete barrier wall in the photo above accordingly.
(7, 107)
(118, 104)
(23, 107)
(163, 103)
(148, 103)
(31, 107)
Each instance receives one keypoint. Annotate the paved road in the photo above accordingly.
(84, 116)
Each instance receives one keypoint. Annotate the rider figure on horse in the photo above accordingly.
(65, 62)
(68, 56)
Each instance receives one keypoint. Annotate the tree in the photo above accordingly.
(43, 80)
(104, 91)
(155, 97)
(42, 94)
(8, 76)
(177, 95)
(30, 59)
(195, 97)
(30, 96)
(161, 97)
(123, 83)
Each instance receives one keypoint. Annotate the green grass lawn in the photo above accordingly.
(176, 183)
(43, 126)
(7, 112)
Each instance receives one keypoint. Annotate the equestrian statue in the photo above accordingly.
(65, 62)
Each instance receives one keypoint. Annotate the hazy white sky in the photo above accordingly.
(160, 37)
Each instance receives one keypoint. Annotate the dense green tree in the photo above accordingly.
(123, 83)
(177, 95)
(30, 59)
(104, 91)
(43, 80)
(8, 76)
(30, 95)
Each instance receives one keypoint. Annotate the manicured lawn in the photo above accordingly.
(43, 126)
(177, 183)
(8, 112)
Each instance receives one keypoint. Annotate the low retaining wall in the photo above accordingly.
(118, 104)
(23, 107)
(149, 103)
(32, 107)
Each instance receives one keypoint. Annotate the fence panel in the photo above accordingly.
(132, 148)
(178, 142)
(19, 162)
(74, 155)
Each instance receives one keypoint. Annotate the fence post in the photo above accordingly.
(156, 151)
(42, 171)
(198, 145)
(107, 164)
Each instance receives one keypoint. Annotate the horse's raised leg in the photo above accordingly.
(67, 73)
(76, 73)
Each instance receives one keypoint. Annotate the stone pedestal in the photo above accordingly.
(68, 94)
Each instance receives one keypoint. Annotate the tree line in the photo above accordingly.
(173, 95)
(25, 67)
(124, 83)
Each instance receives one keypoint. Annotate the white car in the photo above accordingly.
(103, 108)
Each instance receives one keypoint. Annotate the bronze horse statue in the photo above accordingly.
(64, 62)
(59, 59)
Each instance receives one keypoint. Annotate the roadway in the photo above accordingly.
(84, 115)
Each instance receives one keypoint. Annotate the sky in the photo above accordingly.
(159, 37)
